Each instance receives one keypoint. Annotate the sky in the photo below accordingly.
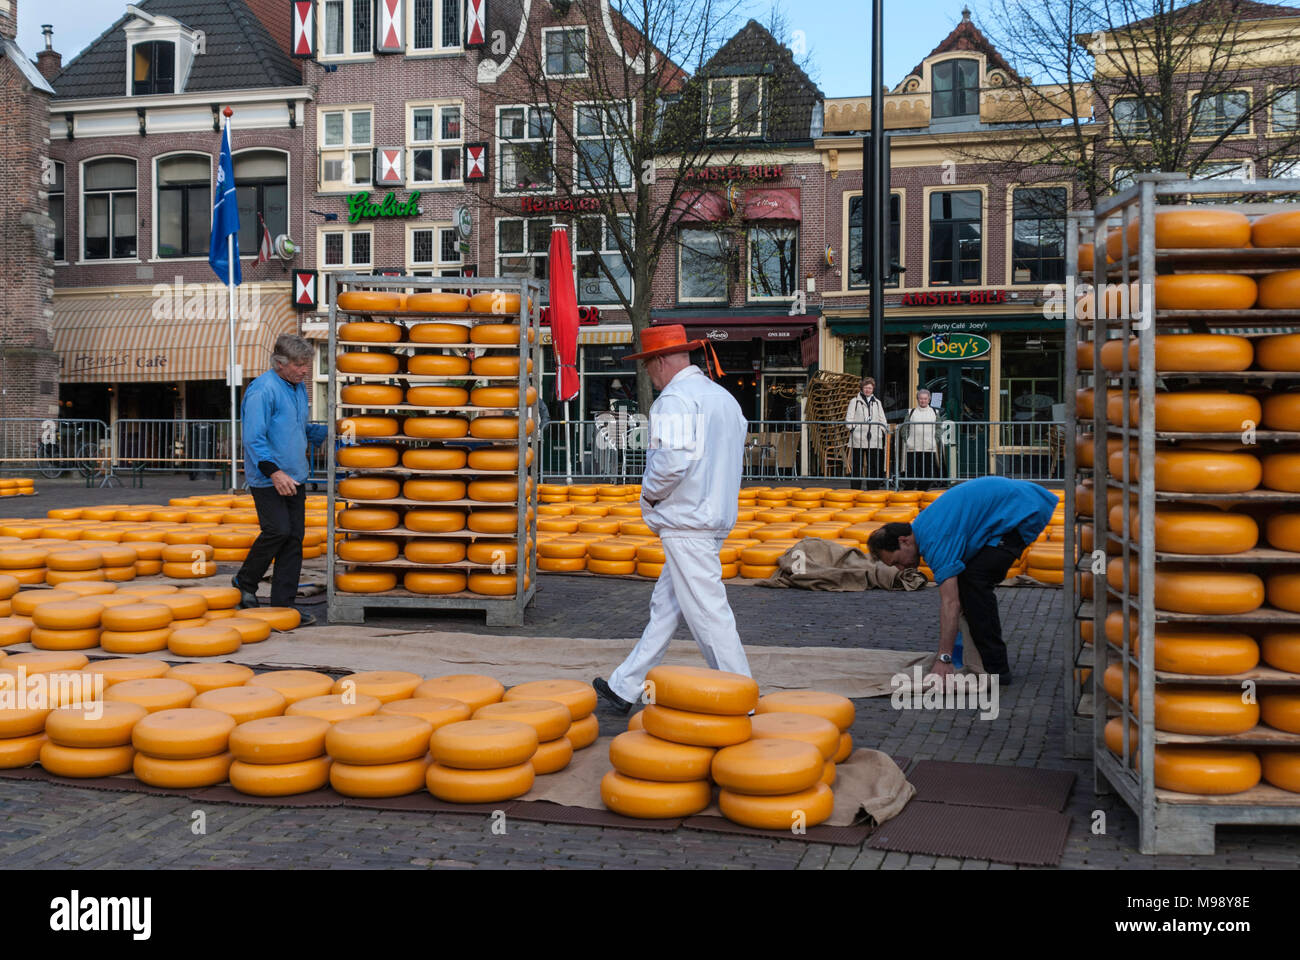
(837, 32)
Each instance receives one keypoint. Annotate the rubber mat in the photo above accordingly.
(840, 836)
(324, 797)
(542, 811)
(991, 785)
(1032, 838)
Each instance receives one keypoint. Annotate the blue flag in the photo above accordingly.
(225, 218)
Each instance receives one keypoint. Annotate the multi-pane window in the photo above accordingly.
(349, 27)
(773, 262)
(1134, 118)
(598, 243)
(1038, 235)
(436, 139)
(601, 141)
(564, 51)
(701, 266)
(857, 266)
(334, 28)
(525, 148)
(108, 196)
(262, 186)
(955, 236)
(435, 251)
(435, 24)
(346, 154)
(362, 28)
(1216, 114)
(1286, 111)
(523, 246)
(735, 107)
(58, 211)
(955, 89)
(184, 205)
(342, 250)
(153, 68)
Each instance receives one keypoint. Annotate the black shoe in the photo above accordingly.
(1005, 679)
(610, 697)
(307, 619)
(246, 599)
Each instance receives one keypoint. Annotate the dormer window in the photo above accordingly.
(153, 68)
(735, 107)
(955, 86)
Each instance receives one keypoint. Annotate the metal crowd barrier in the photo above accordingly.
(54, 446)
(200, 448)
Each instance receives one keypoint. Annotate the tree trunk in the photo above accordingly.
(640, 317)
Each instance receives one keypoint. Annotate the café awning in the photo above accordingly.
(723, 325)
(772, 203)
(167, 337)
(700, 206)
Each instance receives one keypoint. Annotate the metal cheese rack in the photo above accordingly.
(349, 607)
(1169, 822)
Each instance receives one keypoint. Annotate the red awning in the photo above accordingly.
(700, 206)
(772, 203)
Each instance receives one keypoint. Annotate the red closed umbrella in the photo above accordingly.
(564, 327)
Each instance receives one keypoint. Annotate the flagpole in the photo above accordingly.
(230, 291)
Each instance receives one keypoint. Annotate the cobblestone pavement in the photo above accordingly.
(49, 826)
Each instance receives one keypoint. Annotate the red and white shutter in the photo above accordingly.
(304, 289)
(476, 161)
(475, 23)
(390, 166)
(304, 28)
(392, 25)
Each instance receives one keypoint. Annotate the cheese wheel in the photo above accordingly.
(751, 571)
(183, 734)
(484, 744)
(242, 703)
(145, 592)
(187, 552)
(1281, 411)
(46, 662)
(549, 718)
(370, 332)
(818, 731)
(1280, 291)
(15, 630)
(1205, 291)
(1203, 710)
(496, 365)
(434, 490)
(695, 729)
(74, 560)
(385, 685)
(182, 774)
(87, 589)
(1279, 709)
(498, 458)
(436, 302)
(1083, 403)
(276, 740)
(1281, 229)
(804, 809)
(1188, 351)
(612, 550)
(1046, 559)
(562, 549)
(436, 711)
(371, 395)
(492, 552)
(437, 365)
(1196, 471)
(494, 491)
(1206, 770)
(838, 710)
(557, 565)
(654, 800)
(16, 752)
(1195, 227)
(437, 396)
(427, 520)
(495, 301)
(639, 755)
(1206, 411)
(1281, 768)
(1196, 532)
(183, 606)
(768, 767)
(436, 428)
(552, 756)
(456, 785)
(501, 397)
(701, 690)
(493, 521)
(369, 455)
(433, 458)
(117, 671)
(367, 551)
(472, 689)
(1199, 651)
(578, 697)
(362, 362)
(294, 685)
(333, 707)
(1281, 471)
(1213, 592)
(371, 301)
(1281, 650)
(135, 641)
(496, 333)
(280, 779)
(378, 740)
(366, 426)
(108, 725)
(845, 749)
(583, 733)
(434, 551)
(432, 583)
(281, 619)
(369, 488)
(211, 640)
(67, 615)
(368, 518)
(1283, 591)
(86, 762)
(26, 601)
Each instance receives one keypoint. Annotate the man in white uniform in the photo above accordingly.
(688, 497)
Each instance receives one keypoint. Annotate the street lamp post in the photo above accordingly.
(875, 193)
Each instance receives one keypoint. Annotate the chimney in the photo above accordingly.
(9, 19)
(49, 61)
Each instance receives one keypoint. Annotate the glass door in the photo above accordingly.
(963, 389)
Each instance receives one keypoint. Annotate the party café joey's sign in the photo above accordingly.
(361, 208)
(953, 346)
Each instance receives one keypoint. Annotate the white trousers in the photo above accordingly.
(690, 586)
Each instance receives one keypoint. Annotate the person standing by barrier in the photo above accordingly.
(276, 433)
(868, 429)
(919, 443)
(688, 497)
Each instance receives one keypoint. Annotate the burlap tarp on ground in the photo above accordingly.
(816, 564)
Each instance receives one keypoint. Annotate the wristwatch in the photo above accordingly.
(945, 658)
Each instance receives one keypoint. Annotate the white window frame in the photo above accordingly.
(349, 265)
(1194, 104)
(437, 266)
(288, 191)
(604, 251)
(733, 130)
(437, 145)
(1273, 126)
(439, 16)
(503, 142)
(496, 240)
(156, 256)
(81, 213)
(346, 151)
(349, 40)
(51, 193)
(604, 109)
(586, 51)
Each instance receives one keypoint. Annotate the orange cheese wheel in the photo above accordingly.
(1206, 770)
(370, 332)
(1188, 351)
(280, 779)
(437, 396)
(68, 615)
(118, 671)
(495, 301)
(612, 568)
(496, 365)
(1281, 411)
(1281, 229)
(1280, 291)
(384, 685)
(493, 584)
(437, 302)
(1083, 403)
(1046, 559)
(552, 756)
(1195, 227)
(496, 333)
(612, 550)
(35, 663)
(16, 752)
(845, 749)
(76, 727)
(695, 729)
(558, 565)
(1203, 710)
(183, 606)
(436, 711)
(294, 685)
(250, 629)
(578, 697)
(654, 800)
(86, 762)
(280, 618)
(768, 767)
(1283, 590)
(434, 583)
(583, 733)
(501, 397)
(372, 456)
(243, 703)
(455, 785)
(333, 707)
(368, 518)
(85, 638)
(365, 581)
(499, 428)
(549, 718)
(1281, 649)
(212, 640)
(434, 490)
(187, 552)
(437, 365)
(1182, 590)
(484, 744)
(182, 774)
(472, 689)
(439, 333)
(378, 780)
(183, 734)
(701, 690)
(134, 641)
(1197, 471)
(1043, 575)
(1282, 531)
(434, 551)
(367, 551)
(371, 394)
(493, 521)
(1205, 291)
(371, 301)
(818, 731)
(369, 488)
(1193, 411)
(806, 808)
(1196, 532)
(1281, 768)
(153, 694)
(275, 740)
(436, 428)
(205, 677)
(752, 571)
(366, 362)
(364, 426)
(498, 458)
(433, 458)
(1281, 471)
(1280, 709)
(366, 741)
(26, 601)
(838, 710)
(493, 491)
(435, 521)
(74, 560)
(639, 755)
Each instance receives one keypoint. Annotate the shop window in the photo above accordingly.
(523, 247)
(436, 24)
(565, 53)
(346, 152)
(773, 262)
(893, 393)
(597, 243)
(525, 148)
(1038, 231)
(735, 107)
(1032, 375)
(435, 251)
(1215, 114)
(1286, 111)
(956, 251)
(108, 195)
(701, 266)
(1134, 118)
(185, 206)
(153, 68)
(599, 141)
(608, 380)
(955, 89)
(262, 185)
(856, 265)
(436, 140)
(58, 212)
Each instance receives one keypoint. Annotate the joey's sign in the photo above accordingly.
(953, 346)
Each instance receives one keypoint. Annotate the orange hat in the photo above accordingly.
(667, 338)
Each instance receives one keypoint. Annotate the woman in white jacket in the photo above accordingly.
(868, 430)
(920, 443)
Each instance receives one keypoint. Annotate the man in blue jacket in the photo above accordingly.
(970, 537)
(276, 431)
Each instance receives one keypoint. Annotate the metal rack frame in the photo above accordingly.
(1169, 822)
(500, 611)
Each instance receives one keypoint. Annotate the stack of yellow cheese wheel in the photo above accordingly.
(379, 756)
(482, 760)
(550, 719)
(578, 697)
(85, 742)
(17, 487)
(829, 706)
(279, 756)
(182, 748)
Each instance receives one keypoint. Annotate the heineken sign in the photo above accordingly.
(953, 346)
(361, 208)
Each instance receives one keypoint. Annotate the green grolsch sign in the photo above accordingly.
(953, 346)
(360, 208)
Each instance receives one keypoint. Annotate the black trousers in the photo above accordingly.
(868, 467)
(283, 520)
(922, 470)
(975, 584)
